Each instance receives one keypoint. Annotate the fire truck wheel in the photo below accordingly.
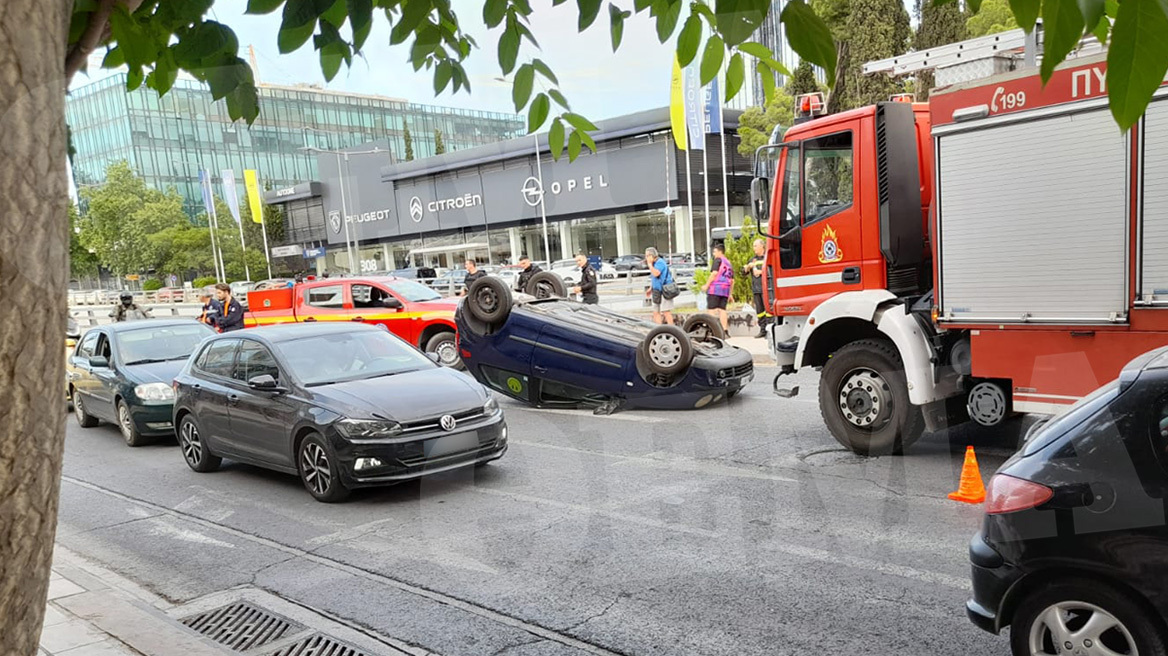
(703, 327)
(546, 284)
(489, 301)
(863, 397)
(446, 347)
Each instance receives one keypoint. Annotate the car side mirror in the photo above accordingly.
(264, 383)
(434, 357)
(98, 361)
(392, 303)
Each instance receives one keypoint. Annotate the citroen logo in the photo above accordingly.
(532, 191)
(416, 209)
(334, 219)
(447, 422)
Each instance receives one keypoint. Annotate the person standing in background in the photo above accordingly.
(717, 288)
(231, 314)
(660, 274)
(526, 272)
(754, 269)
(212, 308)
(587, 287)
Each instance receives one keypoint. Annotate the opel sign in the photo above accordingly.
(532, 191)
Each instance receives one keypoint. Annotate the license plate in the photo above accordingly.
(449, 444)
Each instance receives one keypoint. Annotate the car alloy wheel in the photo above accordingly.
(665, 350)
(448, 354)
(126, 423)
(314, 465)
(1080, 628)
(84, 419)
(191, 445)
(865, 399)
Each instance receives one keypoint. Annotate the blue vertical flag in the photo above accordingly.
(232, 196)
(713, 101)
(695, 109)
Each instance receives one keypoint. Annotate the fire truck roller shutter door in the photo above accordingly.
(1033, 218)
(1154, 229)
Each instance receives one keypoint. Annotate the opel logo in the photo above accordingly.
(447, 422)
(532, 191)
(334, 219)
(416, 209)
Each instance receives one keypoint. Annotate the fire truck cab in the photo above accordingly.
(997, 250)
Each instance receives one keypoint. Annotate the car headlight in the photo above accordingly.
(368, 429)
(491, 406)
(155, 393)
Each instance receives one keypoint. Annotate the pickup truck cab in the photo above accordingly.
(406, 307)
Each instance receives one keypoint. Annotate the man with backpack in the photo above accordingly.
(662, 290)
(717, 288)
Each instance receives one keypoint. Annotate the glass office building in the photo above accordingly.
(168, 139)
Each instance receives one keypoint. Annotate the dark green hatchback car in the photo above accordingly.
(122, 373)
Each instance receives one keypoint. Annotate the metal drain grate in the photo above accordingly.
(318, 645)
(242, 626)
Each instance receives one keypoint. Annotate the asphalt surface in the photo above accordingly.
(739, 529)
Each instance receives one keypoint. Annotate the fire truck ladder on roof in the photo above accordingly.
(1009, 44)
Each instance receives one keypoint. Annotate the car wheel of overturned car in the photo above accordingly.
(446, 347)
(319, 472)
(546, 284)
(666, 350)
(703, 327)
(84, 419)
(1083, 617)
(194, 450)
(863, 397)
(489, 301)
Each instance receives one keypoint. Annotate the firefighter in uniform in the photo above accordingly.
(754, 268)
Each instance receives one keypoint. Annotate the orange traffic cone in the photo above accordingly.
(971, 489)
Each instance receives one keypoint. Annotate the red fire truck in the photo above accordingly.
(998, 250)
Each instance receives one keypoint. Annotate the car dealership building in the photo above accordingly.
(490, 202)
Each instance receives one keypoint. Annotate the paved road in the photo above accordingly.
(741, 529)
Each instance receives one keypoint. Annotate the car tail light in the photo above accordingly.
(1007, 494)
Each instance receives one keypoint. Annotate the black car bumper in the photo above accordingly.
(992, 577)
(368, 464)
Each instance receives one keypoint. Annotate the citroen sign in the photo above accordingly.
(416, 209)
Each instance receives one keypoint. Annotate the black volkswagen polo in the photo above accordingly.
(1073, 552)
(342, 405)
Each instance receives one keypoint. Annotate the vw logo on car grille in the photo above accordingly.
(447, 423)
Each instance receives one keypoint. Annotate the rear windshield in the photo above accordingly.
(1079, 412)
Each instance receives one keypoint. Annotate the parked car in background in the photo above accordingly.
(407, 308)
(272, 283)
(567, 270)
(341, 405)
(630, 263)
(170, 295)
(122, 373)
(450, 282)
(607, 271)
(1073, 551)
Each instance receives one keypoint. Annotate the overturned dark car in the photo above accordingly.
(553, 352)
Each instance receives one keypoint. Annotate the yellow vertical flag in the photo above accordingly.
(253, 195)
(677, 107)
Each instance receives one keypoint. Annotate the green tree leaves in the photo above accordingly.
(712, 59)
(1026, 12)
(809, 36)
(1062, 26)
(1137, 59)
(521, 86)
(689, 40)
(738, 19)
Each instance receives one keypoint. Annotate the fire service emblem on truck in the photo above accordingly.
(829, 250)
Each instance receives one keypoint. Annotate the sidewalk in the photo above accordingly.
(92, 611)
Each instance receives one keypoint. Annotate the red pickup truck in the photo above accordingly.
(407, 308)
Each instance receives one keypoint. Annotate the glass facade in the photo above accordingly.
(166, 140)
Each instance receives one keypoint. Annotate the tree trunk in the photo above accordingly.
(33, 265)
